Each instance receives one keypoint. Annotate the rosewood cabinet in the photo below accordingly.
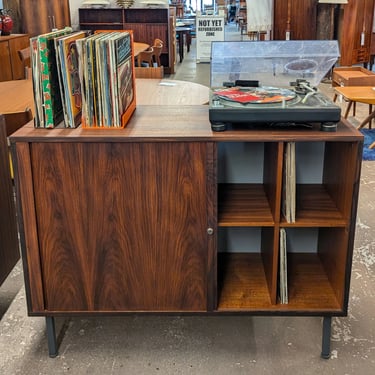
(167, 216)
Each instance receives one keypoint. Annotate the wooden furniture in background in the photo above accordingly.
(11, 66)
(147, 24)
(372, 50)
(164, 234)
(355, 29)
(145, 58)
(157, 46)
(360, 94)
(139, 47)
(13, 121)
(296, 16)
(352, 76)
(152, 72)
(184, 37)
(24, 55)
(41, 16)
(9, 249)
(16, 96)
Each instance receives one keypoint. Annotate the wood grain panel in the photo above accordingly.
(357, 18)
(125, 229)
(43, 11)
(28, 227)
(301, 15)
(333, 250)
(340, 182)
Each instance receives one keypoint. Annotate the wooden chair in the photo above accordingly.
(13, 121)
(157, 52)
(158, 41)
(153, 72)
(145, 58)
(24, 55)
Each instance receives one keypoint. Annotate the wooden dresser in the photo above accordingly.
(11, 65)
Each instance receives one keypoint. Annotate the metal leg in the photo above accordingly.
(51, 337)
(326, 337)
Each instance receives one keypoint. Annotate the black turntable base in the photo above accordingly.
(271, 106)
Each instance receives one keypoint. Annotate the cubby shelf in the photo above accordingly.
(243, 205)
(243, 285)
(315, 207)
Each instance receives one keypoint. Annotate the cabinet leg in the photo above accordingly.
(326, 337)
(51, 336)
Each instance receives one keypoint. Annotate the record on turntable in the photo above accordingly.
(254, 95)
(270, 83)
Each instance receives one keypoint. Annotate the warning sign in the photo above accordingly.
(208, 29)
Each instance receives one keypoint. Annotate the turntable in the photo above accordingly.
(271, 83)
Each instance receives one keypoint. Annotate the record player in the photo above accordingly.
(271, 83)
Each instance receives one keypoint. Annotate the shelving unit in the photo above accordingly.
(173, 217)
(146, 23)
(323, 215)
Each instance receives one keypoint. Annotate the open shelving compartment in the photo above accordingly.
(250, 179)
(318, 240)
(249, 191)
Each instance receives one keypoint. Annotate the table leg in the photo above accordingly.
(369, 112)
(326, 337)
(181, 46)
(51, 337)
(367, 120)
(188, 40)
(348, 109)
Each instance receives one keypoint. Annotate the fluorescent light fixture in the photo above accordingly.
(333, 1)
(95, 2)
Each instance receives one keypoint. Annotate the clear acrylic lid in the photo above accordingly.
(272, 63)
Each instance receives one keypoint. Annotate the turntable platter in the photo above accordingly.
(254, 95)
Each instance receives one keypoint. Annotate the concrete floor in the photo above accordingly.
(203, 345)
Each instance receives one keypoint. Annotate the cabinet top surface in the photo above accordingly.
(179, 123)
(11, 36)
